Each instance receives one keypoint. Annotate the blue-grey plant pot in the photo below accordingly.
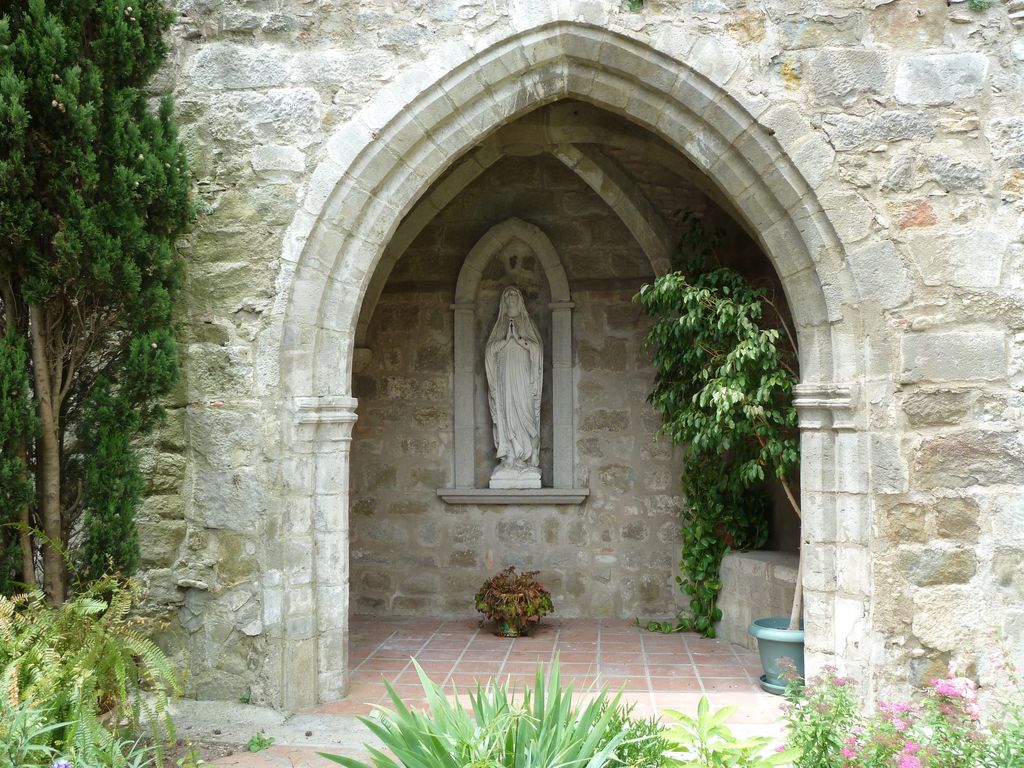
(774, 643)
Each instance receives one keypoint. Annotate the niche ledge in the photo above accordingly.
(483, 496)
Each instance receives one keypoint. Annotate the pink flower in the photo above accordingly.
(847, 752)
(908, 761)
(900, 725)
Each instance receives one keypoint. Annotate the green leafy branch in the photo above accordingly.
(725, 365)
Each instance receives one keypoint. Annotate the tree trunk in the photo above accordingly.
(798, 593)
(48, 460)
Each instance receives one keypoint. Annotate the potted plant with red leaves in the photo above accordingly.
(514, 600)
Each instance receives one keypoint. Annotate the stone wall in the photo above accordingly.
(616, 554)
(875, 151)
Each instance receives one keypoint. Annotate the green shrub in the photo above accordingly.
(543, 731)
(25, 735)
(77, 674)
(643, 743)
(942, 728)
(706, 741)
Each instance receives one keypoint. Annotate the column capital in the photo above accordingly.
(824, 405)
(331, 417)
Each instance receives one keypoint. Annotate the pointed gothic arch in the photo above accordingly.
(385, 159)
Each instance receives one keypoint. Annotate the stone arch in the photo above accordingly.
(613, 185)
(600, 172)
(380, 163)
(496, 238)
(466, 289)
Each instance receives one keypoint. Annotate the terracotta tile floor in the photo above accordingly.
(654, 671)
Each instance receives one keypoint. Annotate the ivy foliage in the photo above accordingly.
(725, 370)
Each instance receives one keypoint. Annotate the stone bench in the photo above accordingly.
(754, 585)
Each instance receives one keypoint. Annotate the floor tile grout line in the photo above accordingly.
(375, 649)
(696, 671)
(647, 673)
(741, 665)
(462, 653)
(412, 656)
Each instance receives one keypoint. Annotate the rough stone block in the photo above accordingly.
(909, 25)
(934, 407)
(167, 507)
(846, 73)
(936, 79)
(232, 500)
(970, 259)
(847, 132)
(813, 30)
(601, 420)
(952, 356)
(610, 356)
(516, 532)
(947, 617)
(222, 65)
(881, 274)
(618, 477)
(1007, 571)
(933, 565)
(160, 541)
(971, 458)
(957, 519)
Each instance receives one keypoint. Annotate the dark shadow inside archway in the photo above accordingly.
(612, 198)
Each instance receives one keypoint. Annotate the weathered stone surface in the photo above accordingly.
(902, 122)
(802, 31)
(947, 616)
(845, 74)
(979, 356)
(911, 25)
(234, 500)
(964, 459)
(971, 259)
(605, 420)
(517, 532)
(169, 507)
(930, 407)
(957, 519)
(847, 132)
(278, 163)
(955, 174)
(1006, 566)
(904, 523)
(931, 566)
(225, 66)
(946, 78)
(160, 541)
(1006, 137)
(881, 273)
(611, 356)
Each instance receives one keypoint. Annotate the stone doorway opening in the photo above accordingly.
(383, 166)
(607, 202)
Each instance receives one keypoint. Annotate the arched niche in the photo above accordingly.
(467, 290)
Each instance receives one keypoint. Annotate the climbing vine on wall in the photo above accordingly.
(725, 370)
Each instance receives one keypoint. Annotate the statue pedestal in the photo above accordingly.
(510, 477)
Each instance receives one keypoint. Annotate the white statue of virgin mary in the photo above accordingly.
(514, 362)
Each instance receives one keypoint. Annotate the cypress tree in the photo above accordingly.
(17, 428)
(93, 191)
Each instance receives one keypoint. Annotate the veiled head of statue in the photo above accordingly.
(512, 300)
